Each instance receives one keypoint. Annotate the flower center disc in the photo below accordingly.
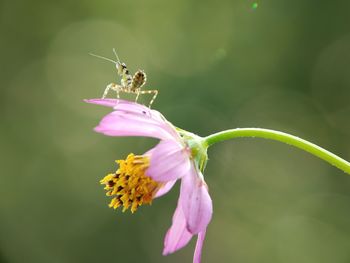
(129, 185)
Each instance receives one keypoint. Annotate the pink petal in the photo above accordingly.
(139, 109)
(127, 124)
(165, 188)
(196, 202)
(199, 246)
(169, 161)
(147, 113)
(131, 110)
(104, 102)
(177, 236)
(128, 106)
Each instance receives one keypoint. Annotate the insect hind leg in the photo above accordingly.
(138, 92)
(154, 92)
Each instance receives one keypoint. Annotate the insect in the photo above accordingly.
(128, 84)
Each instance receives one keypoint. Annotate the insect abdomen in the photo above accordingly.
(138, 80)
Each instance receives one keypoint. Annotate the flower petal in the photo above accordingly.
(165, 188)
(127, 124)
(147, 113)
(139, 109)
(177, 236)
(133, 110)
(199, 246)
(104, 102)
(169, 161)
(196, 202)
(128, 106)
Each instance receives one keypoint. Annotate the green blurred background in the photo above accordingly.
(218, 65)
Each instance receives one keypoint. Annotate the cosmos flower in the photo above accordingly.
(141, 178)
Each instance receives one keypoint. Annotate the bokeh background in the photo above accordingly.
(284, 65)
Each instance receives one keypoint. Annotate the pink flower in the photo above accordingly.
(140, 178)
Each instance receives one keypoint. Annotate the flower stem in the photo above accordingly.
(282, 137)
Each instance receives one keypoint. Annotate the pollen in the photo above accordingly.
(129, 186)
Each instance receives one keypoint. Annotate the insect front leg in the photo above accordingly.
(111, 86)
(105, 93)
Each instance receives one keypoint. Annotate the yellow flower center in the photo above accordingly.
(129, 185)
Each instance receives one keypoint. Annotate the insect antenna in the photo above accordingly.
(108, 59)
(116, 55)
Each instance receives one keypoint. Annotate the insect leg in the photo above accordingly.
(111, 86)
(137, 94)
(154, 92)
(105, 93)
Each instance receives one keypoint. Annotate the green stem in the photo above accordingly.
(282, 137)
